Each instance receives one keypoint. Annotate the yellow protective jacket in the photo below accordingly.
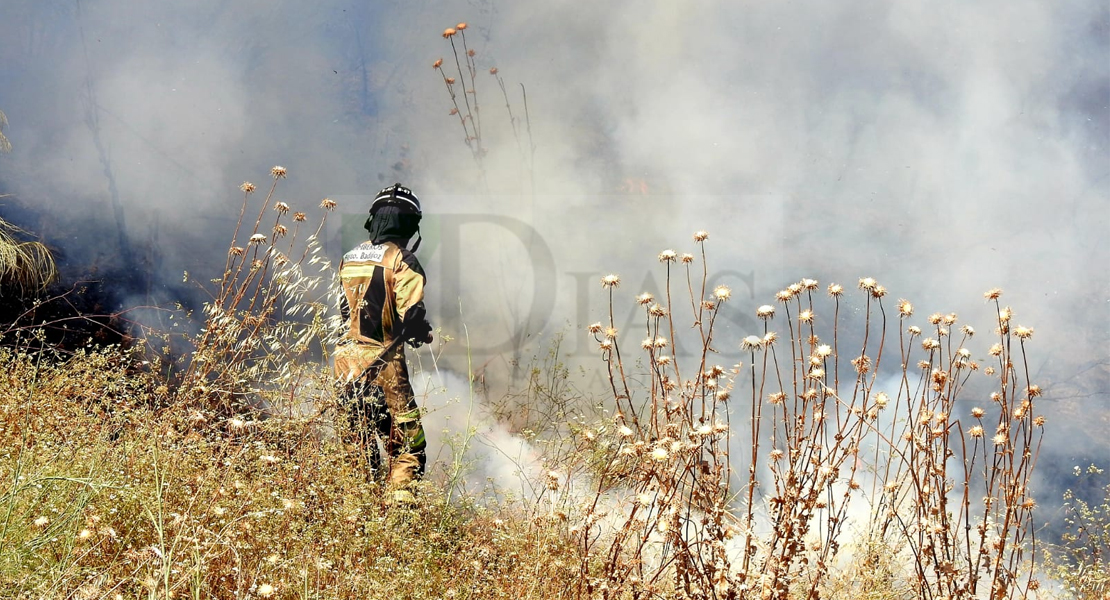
(383, 294)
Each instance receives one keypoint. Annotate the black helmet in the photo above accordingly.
(398, 196)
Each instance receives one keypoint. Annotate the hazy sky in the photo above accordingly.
(942, 147)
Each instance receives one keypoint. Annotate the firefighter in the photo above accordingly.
(383, 307)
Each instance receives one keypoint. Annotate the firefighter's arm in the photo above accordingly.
(408, 282)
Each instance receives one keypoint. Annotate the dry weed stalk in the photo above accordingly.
(469, 114)
(268, 313)
(666, 511)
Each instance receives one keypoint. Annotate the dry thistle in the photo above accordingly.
(1023, 333)
(687, 258)
(905, 308)
(992, 294)
(701, 236)
(281, 208)
(644, 298)
(258, 238)
(278, 172)
(247, 187)
(722, 293)
(867, 283)
(835, 289)
(438, 63)
(450, 31)
(327, 204)
(299, 217)
(667, 256)
(594, 328)
(611, 281)
(765, 312)
(460, 26)
(493, 70)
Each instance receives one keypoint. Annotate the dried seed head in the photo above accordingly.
(809, 284)
(624, 431)
(1005, 314)
(281, 208)
(701, 236)
(1023, 333)
(935, 318)
(278, 172)
(594, 328)
(667, 256)
(606, 344)
(258, 238)
(493, 70)
(247, 187)
(835, 289)
(299, 217)
(777, 398)
(687, 258)
(722, 293)
(950, 319)
(460, 26)
(968, 330)
(1033, 390)
(646, 344)
(765, 312)
(659, 454)
(610, 281)
(450, 31)
(978, 412)
(784, 296)
(752, 342)
(611, 332)
(976, 432)
(438, 63)
(806, 316)
(913, 330)
(1039, 420)
(878, 292)
(657, 311)
(867, 283)
(470, 52)
(327, 204)
(450, 81)
(770, 338)
(881, 399)
(280, 230)
(236, 251)
(930, 344)
(644, 298)
(992, 294)
(905, 308)
(995, 350)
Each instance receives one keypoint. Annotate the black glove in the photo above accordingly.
(419, 333)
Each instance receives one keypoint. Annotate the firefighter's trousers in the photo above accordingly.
(384, 408)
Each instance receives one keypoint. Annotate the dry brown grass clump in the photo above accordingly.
(24, 265)
(105, 495)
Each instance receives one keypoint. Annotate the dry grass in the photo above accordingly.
(105, 495)
(821, 459)
(23, 265)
